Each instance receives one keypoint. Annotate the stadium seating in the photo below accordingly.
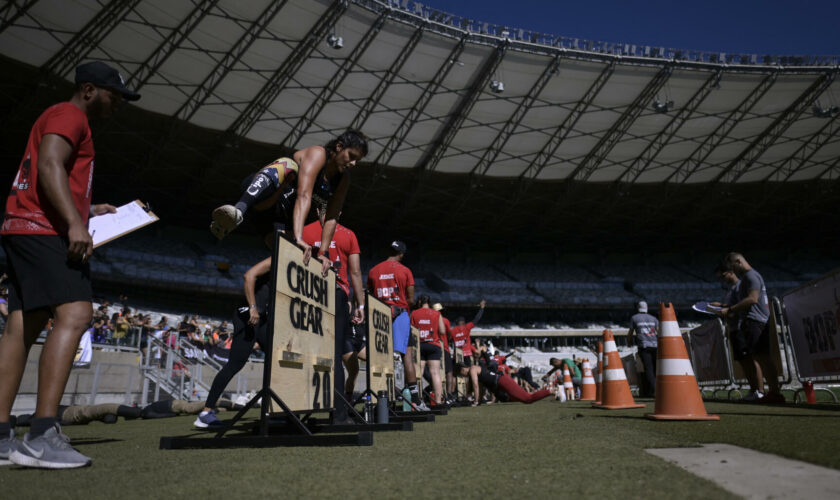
(190, 258)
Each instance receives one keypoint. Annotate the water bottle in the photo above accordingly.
(382, 408)
(368, 410)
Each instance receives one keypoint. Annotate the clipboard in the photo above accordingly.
(706, 308)
(129, 218)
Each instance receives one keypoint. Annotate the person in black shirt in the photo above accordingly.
(250, 329)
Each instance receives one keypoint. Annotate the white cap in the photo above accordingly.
(642, 306)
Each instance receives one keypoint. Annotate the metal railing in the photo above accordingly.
(160, 373)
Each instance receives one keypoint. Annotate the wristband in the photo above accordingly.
(254, 306)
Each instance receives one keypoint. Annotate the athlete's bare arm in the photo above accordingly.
(251, 276)
(310, 161)
(355, 274)
(334, 205)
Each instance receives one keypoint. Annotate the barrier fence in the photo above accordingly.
(812, 312)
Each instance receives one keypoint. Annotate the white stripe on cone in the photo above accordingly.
(609, 346)
(669, 329)
(588, 380)
(674, 367)
(614, 374)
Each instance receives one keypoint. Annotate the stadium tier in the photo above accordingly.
(188, 259)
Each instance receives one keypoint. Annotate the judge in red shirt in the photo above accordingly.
(447, 354)
(461, 338)
(430, 325)
(393, 283)
(344, 253)
(47, 244)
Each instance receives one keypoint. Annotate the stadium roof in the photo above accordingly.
(217, 74)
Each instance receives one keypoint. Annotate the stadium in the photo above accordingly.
(561, 180)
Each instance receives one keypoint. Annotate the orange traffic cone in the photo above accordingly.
(677, 393)
(588, 390)
(598, 373)
(567, 385)
(615, 390)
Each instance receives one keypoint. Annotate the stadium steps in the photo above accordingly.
(530, 287)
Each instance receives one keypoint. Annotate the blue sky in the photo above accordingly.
(794, 27)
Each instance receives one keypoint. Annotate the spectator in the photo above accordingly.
(120, 326)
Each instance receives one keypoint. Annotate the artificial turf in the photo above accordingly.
(548, 448)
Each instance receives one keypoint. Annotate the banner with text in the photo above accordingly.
(813, 314)
(304, 331)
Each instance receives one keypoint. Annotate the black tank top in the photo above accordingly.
(322, 191)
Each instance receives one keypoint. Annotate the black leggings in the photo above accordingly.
(648, 355)
(244, 336)
(524, 373)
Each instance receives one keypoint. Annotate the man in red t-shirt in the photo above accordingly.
(344, 253)
(430, 325)
(461, 339)
(447, 354)
(392, 283)
(47, 245)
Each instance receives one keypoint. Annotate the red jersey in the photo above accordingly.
(26, 211)
(447, 332)
(426, 320)
(461, 337)
(343, 245)
(389, 280)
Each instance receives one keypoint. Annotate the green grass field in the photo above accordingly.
(543, 449)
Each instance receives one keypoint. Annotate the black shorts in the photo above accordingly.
(342, 322)
(356, 338)
(756, 336)
(739, 346)
(40, 275)
(447, 362)
(468, 361)
(430, 352)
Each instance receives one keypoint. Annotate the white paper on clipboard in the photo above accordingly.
(129, 217)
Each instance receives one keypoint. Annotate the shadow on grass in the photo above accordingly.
(817, 406)
(759, 414)
(87, 441)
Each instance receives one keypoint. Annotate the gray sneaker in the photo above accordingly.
(51, 450)
(7, 446)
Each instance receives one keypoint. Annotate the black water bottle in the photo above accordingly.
(382, 408)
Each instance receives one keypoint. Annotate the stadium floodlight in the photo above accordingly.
(335, 41)
(497, 86)
(662, 107)
(821, 112)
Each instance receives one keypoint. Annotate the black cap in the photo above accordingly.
(398, 246)
(102, 75)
